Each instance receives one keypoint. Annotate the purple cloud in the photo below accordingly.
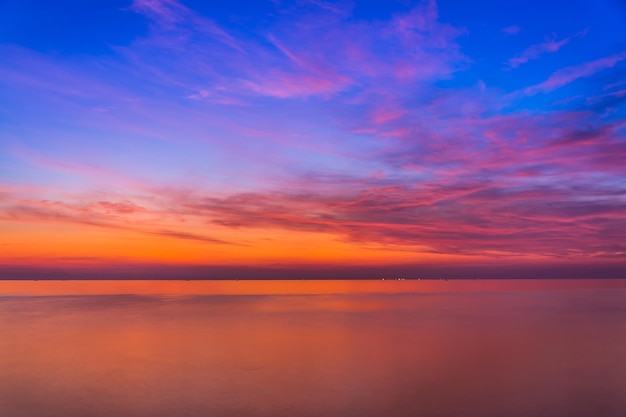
(294, 59)
(570, 74)
(536, 51)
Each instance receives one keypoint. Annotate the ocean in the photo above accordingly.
(313, 348)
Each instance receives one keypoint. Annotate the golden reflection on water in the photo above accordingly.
(313, 348)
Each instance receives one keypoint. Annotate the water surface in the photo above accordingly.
(313, 348)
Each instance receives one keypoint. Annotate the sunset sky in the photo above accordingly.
(313, 134)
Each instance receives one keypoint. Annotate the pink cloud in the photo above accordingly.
(568, 75)
(535, 51)
(299, 62)
(386, 114)
(615, 84)
(116, 215)
(171, 15)
(475, 219)
(285, 85)
(169, 11)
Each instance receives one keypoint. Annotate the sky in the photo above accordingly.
(313, 135)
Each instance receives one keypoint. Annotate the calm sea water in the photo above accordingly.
(303, 348)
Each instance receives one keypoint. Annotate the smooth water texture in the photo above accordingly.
(302, 348)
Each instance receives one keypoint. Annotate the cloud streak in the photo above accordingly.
(536, 51)
(570, 74)
(115, 215)
(293, 59)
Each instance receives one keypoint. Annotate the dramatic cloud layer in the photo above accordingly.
(316, 132)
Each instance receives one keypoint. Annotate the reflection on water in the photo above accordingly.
(462, 348)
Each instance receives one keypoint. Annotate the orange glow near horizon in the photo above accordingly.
(68, 244)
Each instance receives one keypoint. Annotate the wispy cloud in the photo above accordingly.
(114, 215)
(570, 74)
(189, 236)
(295, 60)
(536, 51)
(504, 217)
